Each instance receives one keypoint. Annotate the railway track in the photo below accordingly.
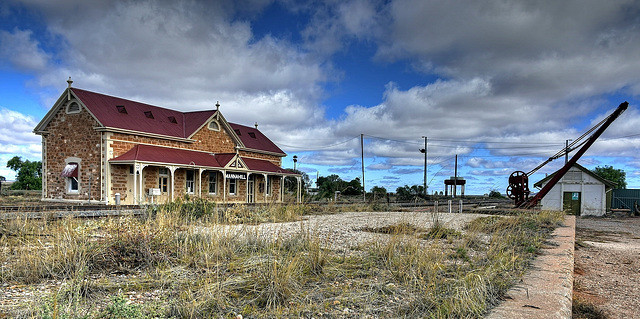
(61, 211)
(92, 211)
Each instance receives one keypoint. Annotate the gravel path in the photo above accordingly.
(607, 264)
(344, 230)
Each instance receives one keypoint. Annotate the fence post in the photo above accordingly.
(460, 211)
(435, 206)
(450, 208)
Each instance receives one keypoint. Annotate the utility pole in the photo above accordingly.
(424, 150)
(455, 177)
(364, 190)
(566, 152)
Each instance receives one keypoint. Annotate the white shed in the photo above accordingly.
(580, 191)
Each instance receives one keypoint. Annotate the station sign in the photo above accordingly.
(236, 176)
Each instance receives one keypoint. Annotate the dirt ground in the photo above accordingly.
(607, 265)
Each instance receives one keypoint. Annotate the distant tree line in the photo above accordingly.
(329, 185)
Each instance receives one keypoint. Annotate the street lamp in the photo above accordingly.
(295, 160)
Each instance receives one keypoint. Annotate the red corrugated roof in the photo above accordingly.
(264, 166)
(165, 155)
(173, 156)
(194, 120)
(142, 117)
(225, 158)
(254, 139)
(105, 109)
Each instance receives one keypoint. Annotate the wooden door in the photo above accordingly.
(571, 202)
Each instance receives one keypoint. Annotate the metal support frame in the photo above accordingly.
(560, 173)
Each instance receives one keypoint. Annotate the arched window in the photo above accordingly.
(73, 107)
(214, 126)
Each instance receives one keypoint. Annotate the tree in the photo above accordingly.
(495, 194)
(353, 187)
(609, 173)
(28, 173)
(291, 183)
(328, 185)
(379, 191)
(407, 192)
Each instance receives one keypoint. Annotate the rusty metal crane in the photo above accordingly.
(518, 188)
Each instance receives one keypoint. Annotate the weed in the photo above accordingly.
(121, 308)
(584, 309)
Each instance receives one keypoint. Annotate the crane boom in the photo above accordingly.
(520, 187)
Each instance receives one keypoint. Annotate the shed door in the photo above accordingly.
(571, 202)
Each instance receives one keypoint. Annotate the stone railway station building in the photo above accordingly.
(99, 148)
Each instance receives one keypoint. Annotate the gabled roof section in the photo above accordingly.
(196, 120)
(225, 158)
(606, 182)
(121, 114)
(265, 166)
(139, 117)
(253, 139)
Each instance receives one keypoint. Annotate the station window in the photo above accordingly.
(232, 187)
(213, 182)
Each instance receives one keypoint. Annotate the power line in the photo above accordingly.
(308, 148)
(517, 145)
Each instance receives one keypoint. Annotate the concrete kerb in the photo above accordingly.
(546, 291)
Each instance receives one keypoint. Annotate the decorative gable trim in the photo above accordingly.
(61, 105)
(236, 163)
(217, 116)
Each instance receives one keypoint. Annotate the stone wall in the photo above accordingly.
(73, 136)
(205, 140)
(213, 141)
(119, 181)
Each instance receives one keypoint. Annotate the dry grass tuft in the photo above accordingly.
(198, 266)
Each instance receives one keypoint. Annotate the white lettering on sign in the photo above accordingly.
(236, 176)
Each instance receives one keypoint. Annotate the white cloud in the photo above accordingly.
(184, 55)
(22, 51)
(17, 139)
(509, 71)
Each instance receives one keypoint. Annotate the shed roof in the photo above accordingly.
(607, 183)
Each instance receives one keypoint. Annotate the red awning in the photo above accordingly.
(71, 170)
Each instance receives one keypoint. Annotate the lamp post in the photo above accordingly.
(424, 151)
(295, 160)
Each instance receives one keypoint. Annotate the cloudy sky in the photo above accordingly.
(502, 84)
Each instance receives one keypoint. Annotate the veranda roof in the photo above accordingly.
(171, 156)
